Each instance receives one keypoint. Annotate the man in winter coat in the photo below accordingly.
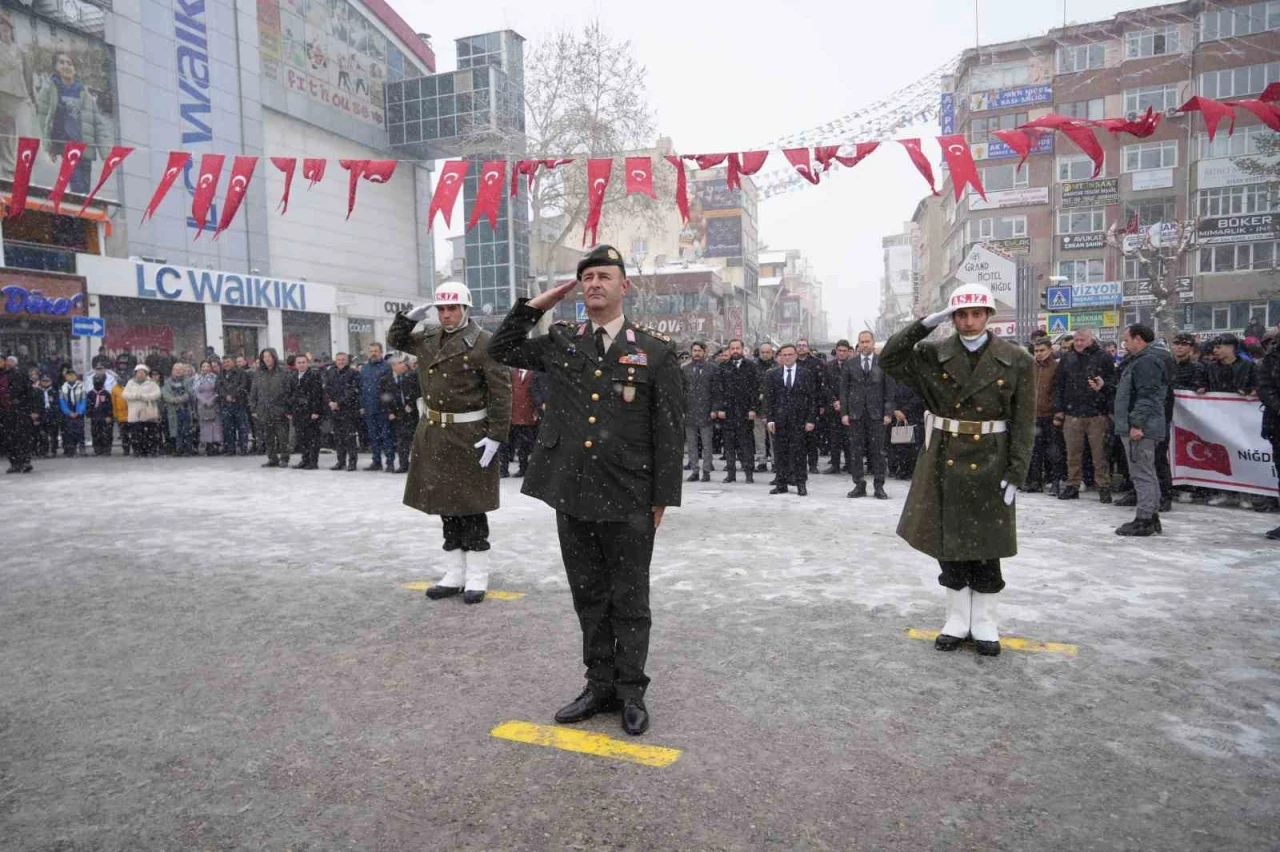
(269, 400)
(840, 438)
(120, 411)
(792, 398)
(466, 416)
(979, 429)
(1268, 376)
(738, 395)
(806, 360)
(1189, 371)
(528, 393)
(342, 393)
(142, 394)
(1229, 373)
(376, 424)
(1141, 422)
(1082, 403)
(17, 417)
(1046, 455)
(765, 361)
(399, 399)
(306, 409)
(233, 389)
(699, 379)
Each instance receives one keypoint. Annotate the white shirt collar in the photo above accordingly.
(612, 328)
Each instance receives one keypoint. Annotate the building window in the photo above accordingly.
(1239, 20)
(1159, 98)
(1234, 200)
(1154, 42)
(983, 129)
(1240, 257)
(1001, 76)
(1151, 155)
(1246, 141)
(996, 178)
(1151, 211)
(1083, 271)
(1133, 269)
(1092, 110)
(1075, 167)
(1238, 82)
(1080, 57)
(997, 228)
(1082, 220)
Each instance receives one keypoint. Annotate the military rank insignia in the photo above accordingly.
(637, 359)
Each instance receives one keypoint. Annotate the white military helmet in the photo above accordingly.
(453, 293)
(972, 296)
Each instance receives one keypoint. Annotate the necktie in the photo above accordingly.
(600, 347)
(789, 369)
(866, 364)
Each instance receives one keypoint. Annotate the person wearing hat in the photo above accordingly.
(143, 396)
(609, 460)
(980, 422)
(465, 417)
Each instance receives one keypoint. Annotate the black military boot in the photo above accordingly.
(706, 476)
(1069, 492)
(750, 475)
(859, 490)
(1274, 535)
(1138, 527)
(693, 477)
(730, 476)
(1104, 495)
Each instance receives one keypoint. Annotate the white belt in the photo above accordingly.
(961, 427)
(446, 417)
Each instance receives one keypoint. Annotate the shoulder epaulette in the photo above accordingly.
(653, 332)
(564, 323)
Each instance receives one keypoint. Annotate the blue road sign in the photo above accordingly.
(1059, 323)
(88, 327)
(1059, 298)
(582, 311)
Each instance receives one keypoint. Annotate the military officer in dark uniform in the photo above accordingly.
(609, 461)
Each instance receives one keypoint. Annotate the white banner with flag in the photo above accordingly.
(1217, 443)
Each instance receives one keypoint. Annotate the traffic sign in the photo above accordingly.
(1059, 323)
(1059, 298)
(582, 311)
(88, 327)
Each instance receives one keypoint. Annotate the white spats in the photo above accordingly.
(455, 573)
(477, 562)
(983, 621)
(959, 604)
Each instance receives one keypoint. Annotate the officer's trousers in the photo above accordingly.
(607, 563)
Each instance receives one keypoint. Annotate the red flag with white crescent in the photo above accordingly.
(177, 162)
(313, 170)
(800, 159)
(682, 188)
(827, 154)
(447, 189)
(241, 173)
(71, 155)
(1019, 141)
(528, 168)
(374, 171)
(1087, 142)
(598, 171)
(640, 176)
(746, 163)
(1141, 128)
(955, 150)
(920, 160)
(206, 188)
(286, 165)
(115, 158)
(25, 161)
(493, 178)
(1211, 111)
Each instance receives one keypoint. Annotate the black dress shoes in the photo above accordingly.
(879, 493)
(860, 490)
(585, 706)
(635, 718)
(472, 597)
(778, 489)
(947, 643)
(439, 592)
(751, 476)
(694, 477)
(802, 490)
(987, 649)
(1069, 492)
(339, 466)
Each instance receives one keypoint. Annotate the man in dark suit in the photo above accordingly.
(839, 434)
(698, 374)
(792, 396)
(738, 394)
(866, 404)
(608, 460)
(806, 360)
(305, 409)
(398, 396)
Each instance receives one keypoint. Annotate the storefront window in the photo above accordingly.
(142, 326)
(360, 333)
(305, 332)
(244, 331)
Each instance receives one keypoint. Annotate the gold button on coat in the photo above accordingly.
(951, 462)
(587, 444)
(977, 437)
(599, 374)
(595, 397)
(591, 420)
(973, 467)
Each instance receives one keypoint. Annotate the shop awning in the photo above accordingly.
(69, 208)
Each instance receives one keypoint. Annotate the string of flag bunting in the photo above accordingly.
(810, 163)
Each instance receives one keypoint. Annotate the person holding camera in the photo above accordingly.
(1082, 400)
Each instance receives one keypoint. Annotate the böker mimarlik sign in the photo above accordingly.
(1236, 229)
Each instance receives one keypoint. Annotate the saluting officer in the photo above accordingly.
(466, 412)
(980, 393)
(608, 460)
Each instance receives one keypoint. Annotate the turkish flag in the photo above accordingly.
(1269, 113)
(1271, 94)
(286, 165)
(826, 154)
(1019, 141)
(640, 176)
(489, 194)
(528, 168)
(1134, 225)
(682, 188)
(1190, 450)
(746, 163)
(921, 161)
(374, 171)
(707, 161)
(71, 155)
(447, 189)
(1078, 133)
(313, 170)
(26, 160)
(1142, 128)
(115, 158)
(799, 158)
(237, 185)
(1212, 111)
(177, 162)
(206, 189)
(598, 171)
(955, 150)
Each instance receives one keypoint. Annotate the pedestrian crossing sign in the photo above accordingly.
(1059, 323)
(1059, 298)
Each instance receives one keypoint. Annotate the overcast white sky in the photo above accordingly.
(732, 75)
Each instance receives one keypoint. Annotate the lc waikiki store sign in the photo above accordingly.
(107, 276)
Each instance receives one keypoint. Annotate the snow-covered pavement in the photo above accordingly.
(200, 653)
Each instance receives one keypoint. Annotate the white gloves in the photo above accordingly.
(489, 446)
(419, 313)
(1010, 491)
(935, 319)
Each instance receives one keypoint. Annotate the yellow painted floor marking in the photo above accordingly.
(1013, 643)
(585, 742)
(423, 585)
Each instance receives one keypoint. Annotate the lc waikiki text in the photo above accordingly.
(221, 288)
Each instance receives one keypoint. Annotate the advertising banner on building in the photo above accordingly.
(1073, 242)
(1009, 198)
(1223, 171)
(1103, 294)
(31, 295)
(56, 86)
(997, 150)
(1090, 193)
(1014, 245)
(1138, 293)
(1005, 98)
(999, 273)
(1216, 442)
(1151, 179)
(716, 221)
(947, 113)
(1237, 229)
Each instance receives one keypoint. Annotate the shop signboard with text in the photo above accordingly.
(1237, 229)
(1138, 293)
(1151, 179)
(1223, 171)
(31, 295)
(1090, 193)
(1006, 98)
(1074, 242)
(1014, 245)
(997, 150)
(1101, 294)
(1009, 198)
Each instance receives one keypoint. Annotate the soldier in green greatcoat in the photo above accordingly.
(979, 427)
